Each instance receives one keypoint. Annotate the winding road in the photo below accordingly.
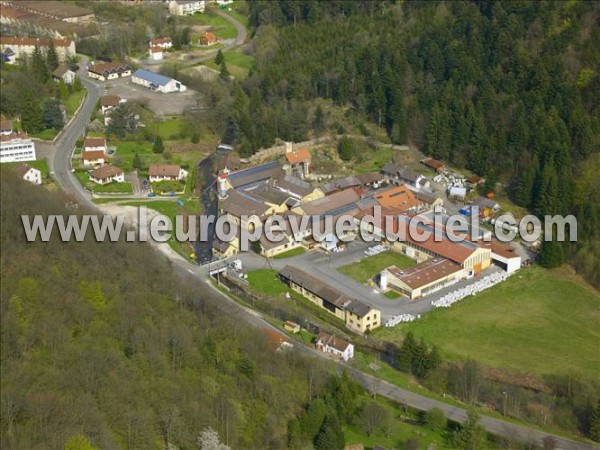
(59, 155)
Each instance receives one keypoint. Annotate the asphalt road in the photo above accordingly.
(59, 154)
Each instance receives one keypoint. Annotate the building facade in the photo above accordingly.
(16, 147)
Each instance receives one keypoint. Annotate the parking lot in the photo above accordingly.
(170, 104)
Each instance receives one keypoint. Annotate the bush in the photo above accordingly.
(435, 419)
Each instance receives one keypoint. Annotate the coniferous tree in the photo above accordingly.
(51, 57)
(331, 435)
(219, 58)
(38, 66)
(159, 146)
(406, 352)
(31, 111)
(472, 435)
(52, 115)
(224, 72)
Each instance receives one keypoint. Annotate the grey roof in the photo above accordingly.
(324, 291)
(60, 71)
(332, 203)
(270, 194)
(8, 51)
(254, 174)
(295, 185)
(400, 172)
(239, 203)
(485, 202)
(351, 181)
(151, 77)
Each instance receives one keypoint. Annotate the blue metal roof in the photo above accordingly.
(151, 77)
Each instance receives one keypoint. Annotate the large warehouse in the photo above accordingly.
(157, 82)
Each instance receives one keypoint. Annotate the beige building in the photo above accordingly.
(109, 71)
(25, 46)
(357, 315)
(186, 7)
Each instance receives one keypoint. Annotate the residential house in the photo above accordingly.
(28, 173)
(328, 343)
(393, 173)
(166, 172)
(155, 54)
(207, 38)
(361, 180)
(457, 193)
(65, 74)
(93, 144)
(108, 102)
(109, 71)
(107, 174)
(25, 46)
(162, 42)
(157, 82)
(15, 147)
(186, 7)
(357, 315)
(299, 189)
(399, 200)
(94, 158)
(8, 56)
(222, 249)
(5, 127)
(298, 160)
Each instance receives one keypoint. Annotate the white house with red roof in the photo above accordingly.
(94, 144)
(166, 172)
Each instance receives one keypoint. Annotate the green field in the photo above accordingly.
(45, 135)
(73, 101)
(220, 26)
(238, 63)
(367, 268)
(266, 282)
(291, 253)
(538, 322)
(171, 128)
(112, 188)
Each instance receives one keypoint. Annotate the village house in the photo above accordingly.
(155, 53)
(361, 180)
(25, 46)
(92, 144)
(434, 164)
(157, 82)
(28, 173)
(357, 315)
(328, 343)
(186, 7)
(65, 74)
(399, 200)
(5, 127)
(166, 172)
(207, 39)
(161, 42)
(109, 71)
(107, 174)
(298, 160)
(222, 249)
(94, 158)
(108, 102)
(15, 147)
(298, 189)
(393, 173)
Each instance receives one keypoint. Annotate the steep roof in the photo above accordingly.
(301, 155)
(104, 172)
(160, 40)
(110, 100)
(295, 185)
(332, 341)
(94, 142)
(95, 154)
(60, 71)
(164, 170)
(240, 203)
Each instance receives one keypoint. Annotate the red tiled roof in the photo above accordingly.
(109, 67)
(297, 156)
(160, 40)
(399, 197)
(109, 100)
(42, 42)
(156, 49)
(94, 142)
(164, 170)
(11, 136)
(95, 154)
(104, 172)
(433, 163)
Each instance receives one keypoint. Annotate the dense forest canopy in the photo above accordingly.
(104, 343)
(509, 90)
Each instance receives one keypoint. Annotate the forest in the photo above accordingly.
(508, 90)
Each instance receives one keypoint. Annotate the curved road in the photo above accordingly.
(59, 155)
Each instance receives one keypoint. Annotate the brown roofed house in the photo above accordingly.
(208, 38)
(109, 70)
(107, 174)
(162, 172)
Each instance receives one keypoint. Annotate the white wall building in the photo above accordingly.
(185, 7)
(157, 82)
(327, 343)
(162, 172)
(92, 144)
(25, 46)
(28, 173)
(155, 53)
(16, 147)
(107, 174)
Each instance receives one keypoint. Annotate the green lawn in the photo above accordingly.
(73, 101)
(538, 322)
(40, 164)
(237, 62)
(367, 268)
(220, 26)
(45, 135)
(291, 253)
(171, 128)
(112, 188)
(266, 282)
